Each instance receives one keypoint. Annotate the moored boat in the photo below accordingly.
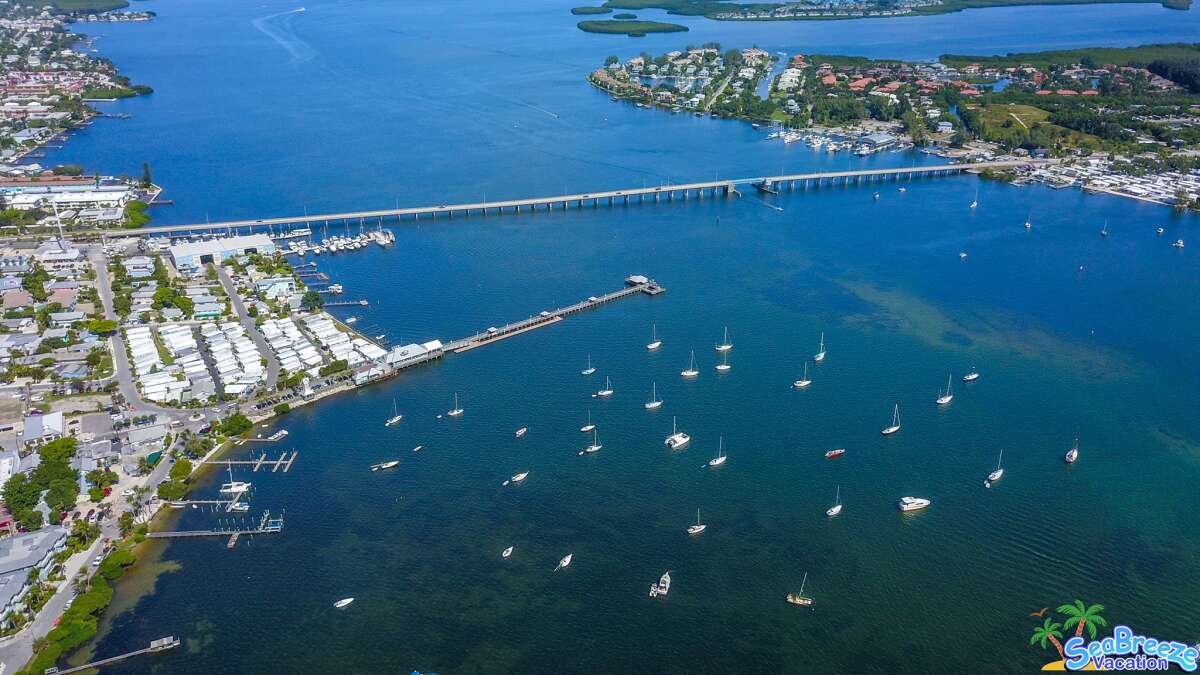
(912, 503)
(663, 586)
(836, 452)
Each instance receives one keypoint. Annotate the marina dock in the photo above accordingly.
(284, 462)
(266, 525)
(159, 645)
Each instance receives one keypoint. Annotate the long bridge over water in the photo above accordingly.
(728, 186)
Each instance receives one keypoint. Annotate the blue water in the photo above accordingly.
(369, 104)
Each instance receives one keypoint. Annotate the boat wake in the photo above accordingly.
(278, 27)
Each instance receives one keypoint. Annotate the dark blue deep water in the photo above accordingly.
(260, 110)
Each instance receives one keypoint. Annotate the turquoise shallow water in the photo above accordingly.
(357, 104)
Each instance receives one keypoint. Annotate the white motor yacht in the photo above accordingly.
(912, 503)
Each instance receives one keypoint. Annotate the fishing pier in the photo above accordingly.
(159, 645)
(266, 525)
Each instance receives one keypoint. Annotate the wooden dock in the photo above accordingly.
(159, 645)
(284, 462)
(266, 525)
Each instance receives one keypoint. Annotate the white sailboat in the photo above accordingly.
(800, 598)
(607, 390)
(725, 345)
(1073, 453)
(516, 478)
(720, 458)
(589, 426)
(691, 371)
(723, 366)
(654, 343)
(698, 527)
(590, 368)
(595, 446)
(803, 381)
(895, 425)
(975, 202)
(1028, 221)
(820, 355)
(998, 473)
(837, 504)
(565, 562)
(677, 439)
(655, 402)
(947, 395)
(233, 487)
(456, 411)
(395, 418)
(971, 376)
(1104, 230)
(506, 552)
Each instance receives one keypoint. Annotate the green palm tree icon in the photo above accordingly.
(1083, 617)
(1048, 632)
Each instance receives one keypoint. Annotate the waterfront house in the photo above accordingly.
(20, 553)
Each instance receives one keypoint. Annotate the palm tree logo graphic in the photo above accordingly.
(1077, 616)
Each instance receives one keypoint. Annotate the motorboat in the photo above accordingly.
(836, 452)
(1178, 243)
(663, 586)
(385, 465)
(522, 431)
(343, 602)
(677, 439)
(516, 478)
(506, 552)
(971, 376)
(912, 503)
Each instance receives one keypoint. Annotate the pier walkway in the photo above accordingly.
(159, 645)
(655, 194)
(267, 525)
(284, 461)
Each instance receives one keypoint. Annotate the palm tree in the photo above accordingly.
(1048, 631)
(1082, 616)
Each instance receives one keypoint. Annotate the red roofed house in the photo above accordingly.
(1090, 92)
(1043, 92)
(860, 84)
(829, 80)
(969, 91)
(1066, 92)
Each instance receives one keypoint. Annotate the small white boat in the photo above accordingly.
(803, 381)
(902, 190)
(506, 552)
(607, 390)
(418, 448)
(589, 426)
(1073, 453)
(997, 474)
(1104, 230)
(947, 395)
(895, 425)
(837, 504)
(595, 446)
(385, 465)
(395, 418)
(820, 355)
(971, 376)
(351, 320)
(975, 202)
(240, 507)
(677, 439)
(962, 255)
(1178, 243)
(343, 602)
(698, 527)
(565, 562)
(517, 478)
(590, 369)
(1159, 231)
(522, 431)
(800, 598)
(456, 411)
(723, 366)
(654, 342)
(725, 345)
(720, 458)
(655, 402)
(663, 586)
(912, 503)
(691, 371)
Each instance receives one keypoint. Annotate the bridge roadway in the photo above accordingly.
(725, 186)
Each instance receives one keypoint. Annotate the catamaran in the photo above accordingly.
(565, 562)
(677, 439)
(233, 487)
(997, 474)
(691, 369)
(456, 411)
(589, 426)
(947, 395)
(654, 343)
(607, 390)
(655, 402)
(971, 376)
(395, 418)
(723, 366)
(912, 503)
(590, 369)
(1073, 453)
(725, 345)
(663, 586)
(720, 458)
(800, 598)
(803, 381)
(837, 504)
(698, 527)
(895, 425)
(820, 356)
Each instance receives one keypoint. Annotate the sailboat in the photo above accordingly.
(975, 202)
(655, 402)
(803, 381)
(723, 366)
(1073, 453)
(654, 343)
(677, 439)
(947, 395)
(895, 425)
(233, 487)
(799, 598)
(590, 368)
(395, 418)
(720, 458)
(820, 356)
(971, 376)
(725, 345)
(837, 504)
(1104, 230)
(698, 527)
(565, 562)
(595, 446)
(1028, 221)
(607, 390)
(456, 411)
(589, 426)
(506, 552)
(997, 474)
(663, 586)
(691, 369)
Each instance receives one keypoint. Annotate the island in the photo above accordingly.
(630, 28)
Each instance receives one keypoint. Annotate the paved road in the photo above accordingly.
(251, 329)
